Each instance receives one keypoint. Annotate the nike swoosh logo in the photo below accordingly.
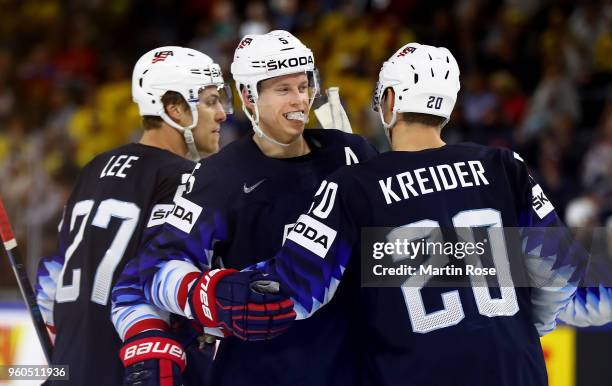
(249, 189)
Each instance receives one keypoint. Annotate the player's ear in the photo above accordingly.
(388, 103)
(245, 98)
(389, 99)
(175, 111)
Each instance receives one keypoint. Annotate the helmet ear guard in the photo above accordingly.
(424, 79)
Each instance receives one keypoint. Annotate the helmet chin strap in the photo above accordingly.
(193, 153)
(386, 125)
(187, 132)
(255, 122)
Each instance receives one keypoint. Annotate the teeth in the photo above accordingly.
(296, 115)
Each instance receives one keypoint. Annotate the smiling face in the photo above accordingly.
(210, 115)
(284, 105)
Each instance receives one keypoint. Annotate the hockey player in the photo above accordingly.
(423, 334)
(120, 197)
(241, 205)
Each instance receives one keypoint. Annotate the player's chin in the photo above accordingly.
(214, 146)
(293, 129)
(211, 144)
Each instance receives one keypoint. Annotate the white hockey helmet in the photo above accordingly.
(183, 70)
(425, 79)
(261, 57)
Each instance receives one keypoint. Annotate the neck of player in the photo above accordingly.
(165, 137)
(415, 137)
(296, 148)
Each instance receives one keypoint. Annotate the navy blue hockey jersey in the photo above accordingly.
(437, 335)
(238, 206)
(119, 196)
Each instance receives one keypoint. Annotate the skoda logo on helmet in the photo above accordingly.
(290, 62)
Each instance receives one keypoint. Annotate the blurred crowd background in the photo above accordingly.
(535, 78)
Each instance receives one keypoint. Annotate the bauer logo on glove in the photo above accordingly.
(246, 304)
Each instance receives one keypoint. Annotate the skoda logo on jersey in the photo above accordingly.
(159, 213)
(184, 215)
(312, 235)
(185, 212)
(540, 203)
(288, 63)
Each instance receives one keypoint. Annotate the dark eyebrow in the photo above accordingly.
(216, 94)
(288, 85)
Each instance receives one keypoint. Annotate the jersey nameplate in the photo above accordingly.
(422, 181)
(117, 166)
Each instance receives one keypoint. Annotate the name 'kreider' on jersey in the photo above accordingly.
(429, 335)
(239, 208)
(119, 197)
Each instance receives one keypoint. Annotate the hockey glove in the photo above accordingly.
(245, 304)
(153, 358)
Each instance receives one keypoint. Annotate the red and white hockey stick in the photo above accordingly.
(10, 245)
